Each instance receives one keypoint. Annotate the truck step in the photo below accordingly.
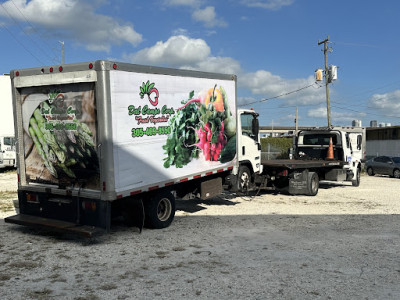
(56, 225)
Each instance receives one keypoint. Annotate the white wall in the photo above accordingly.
(6, 110)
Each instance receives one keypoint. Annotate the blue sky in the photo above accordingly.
(271, 45)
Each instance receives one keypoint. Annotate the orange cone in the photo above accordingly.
(330, 150)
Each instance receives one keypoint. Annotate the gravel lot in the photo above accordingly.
(341, 244)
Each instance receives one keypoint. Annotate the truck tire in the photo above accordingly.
(312, 184)
(159, 210)
(244, 179)
(356, 182)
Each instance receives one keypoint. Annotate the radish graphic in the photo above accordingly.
(147, 89)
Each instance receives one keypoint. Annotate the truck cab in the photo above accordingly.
(7, 152)
(248, 149)
(348, 145)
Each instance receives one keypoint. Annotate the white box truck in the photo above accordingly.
(100, 139)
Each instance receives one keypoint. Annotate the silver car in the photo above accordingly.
(384, 165)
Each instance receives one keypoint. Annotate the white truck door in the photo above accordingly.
(355, 141)
(249, 148)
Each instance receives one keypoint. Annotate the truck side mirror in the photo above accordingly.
(255, 127)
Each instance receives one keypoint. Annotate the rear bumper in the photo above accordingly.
(73, 210)
(55, 225)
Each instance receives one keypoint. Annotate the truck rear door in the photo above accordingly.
(57, 133)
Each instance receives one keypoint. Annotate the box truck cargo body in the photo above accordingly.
(91, 134)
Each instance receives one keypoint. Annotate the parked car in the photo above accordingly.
(384, 165)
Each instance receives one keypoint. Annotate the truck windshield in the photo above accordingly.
(9, 141)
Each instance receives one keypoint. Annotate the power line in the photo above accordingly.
(29, 37)
(23, 46)
(281, 95)
(34, 29)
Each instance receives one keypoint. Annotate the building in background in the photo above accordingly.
(383, 140)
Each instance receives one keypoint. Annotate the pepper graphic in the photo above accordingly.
(214, 96)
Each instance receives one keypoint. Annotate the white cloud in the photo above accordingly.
(180, 31)
(338, 117)
(218, 64)
(388, 103)
(194, 54)
(175, 52)
(267, 4)
(208, 17)
(192, 3)
(319, 112)
(268, 85)
(75, 19)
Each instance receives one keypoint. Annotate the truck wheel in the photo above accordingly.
(396, 173)
(313, 183)
(159, 210)
(370, 171)
(356, 182)
(244, 179)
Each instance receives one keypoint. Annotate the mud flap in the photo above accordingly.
(304, 183)
(298, 184)
(133, 213)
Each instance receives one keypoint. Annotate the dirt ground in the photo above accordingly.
(341, 244)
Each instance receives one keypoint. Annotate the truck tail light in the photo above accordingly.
(283, 173)
(32, 198)
(89, 205)
(60, 68)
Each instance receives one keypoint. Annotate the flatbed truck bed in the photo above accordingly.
(293, 164)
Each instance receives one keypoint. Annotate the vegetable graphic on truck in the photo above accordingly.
(60, 145)
(198, 129)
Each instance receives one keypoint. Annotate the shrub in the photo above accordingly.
(278, 145)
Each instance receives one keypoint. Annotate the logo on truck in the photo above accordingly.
(149, 89)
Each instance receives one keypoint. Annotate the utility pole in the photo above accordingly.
(292, 150)
(326, 74)
(63, 53)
